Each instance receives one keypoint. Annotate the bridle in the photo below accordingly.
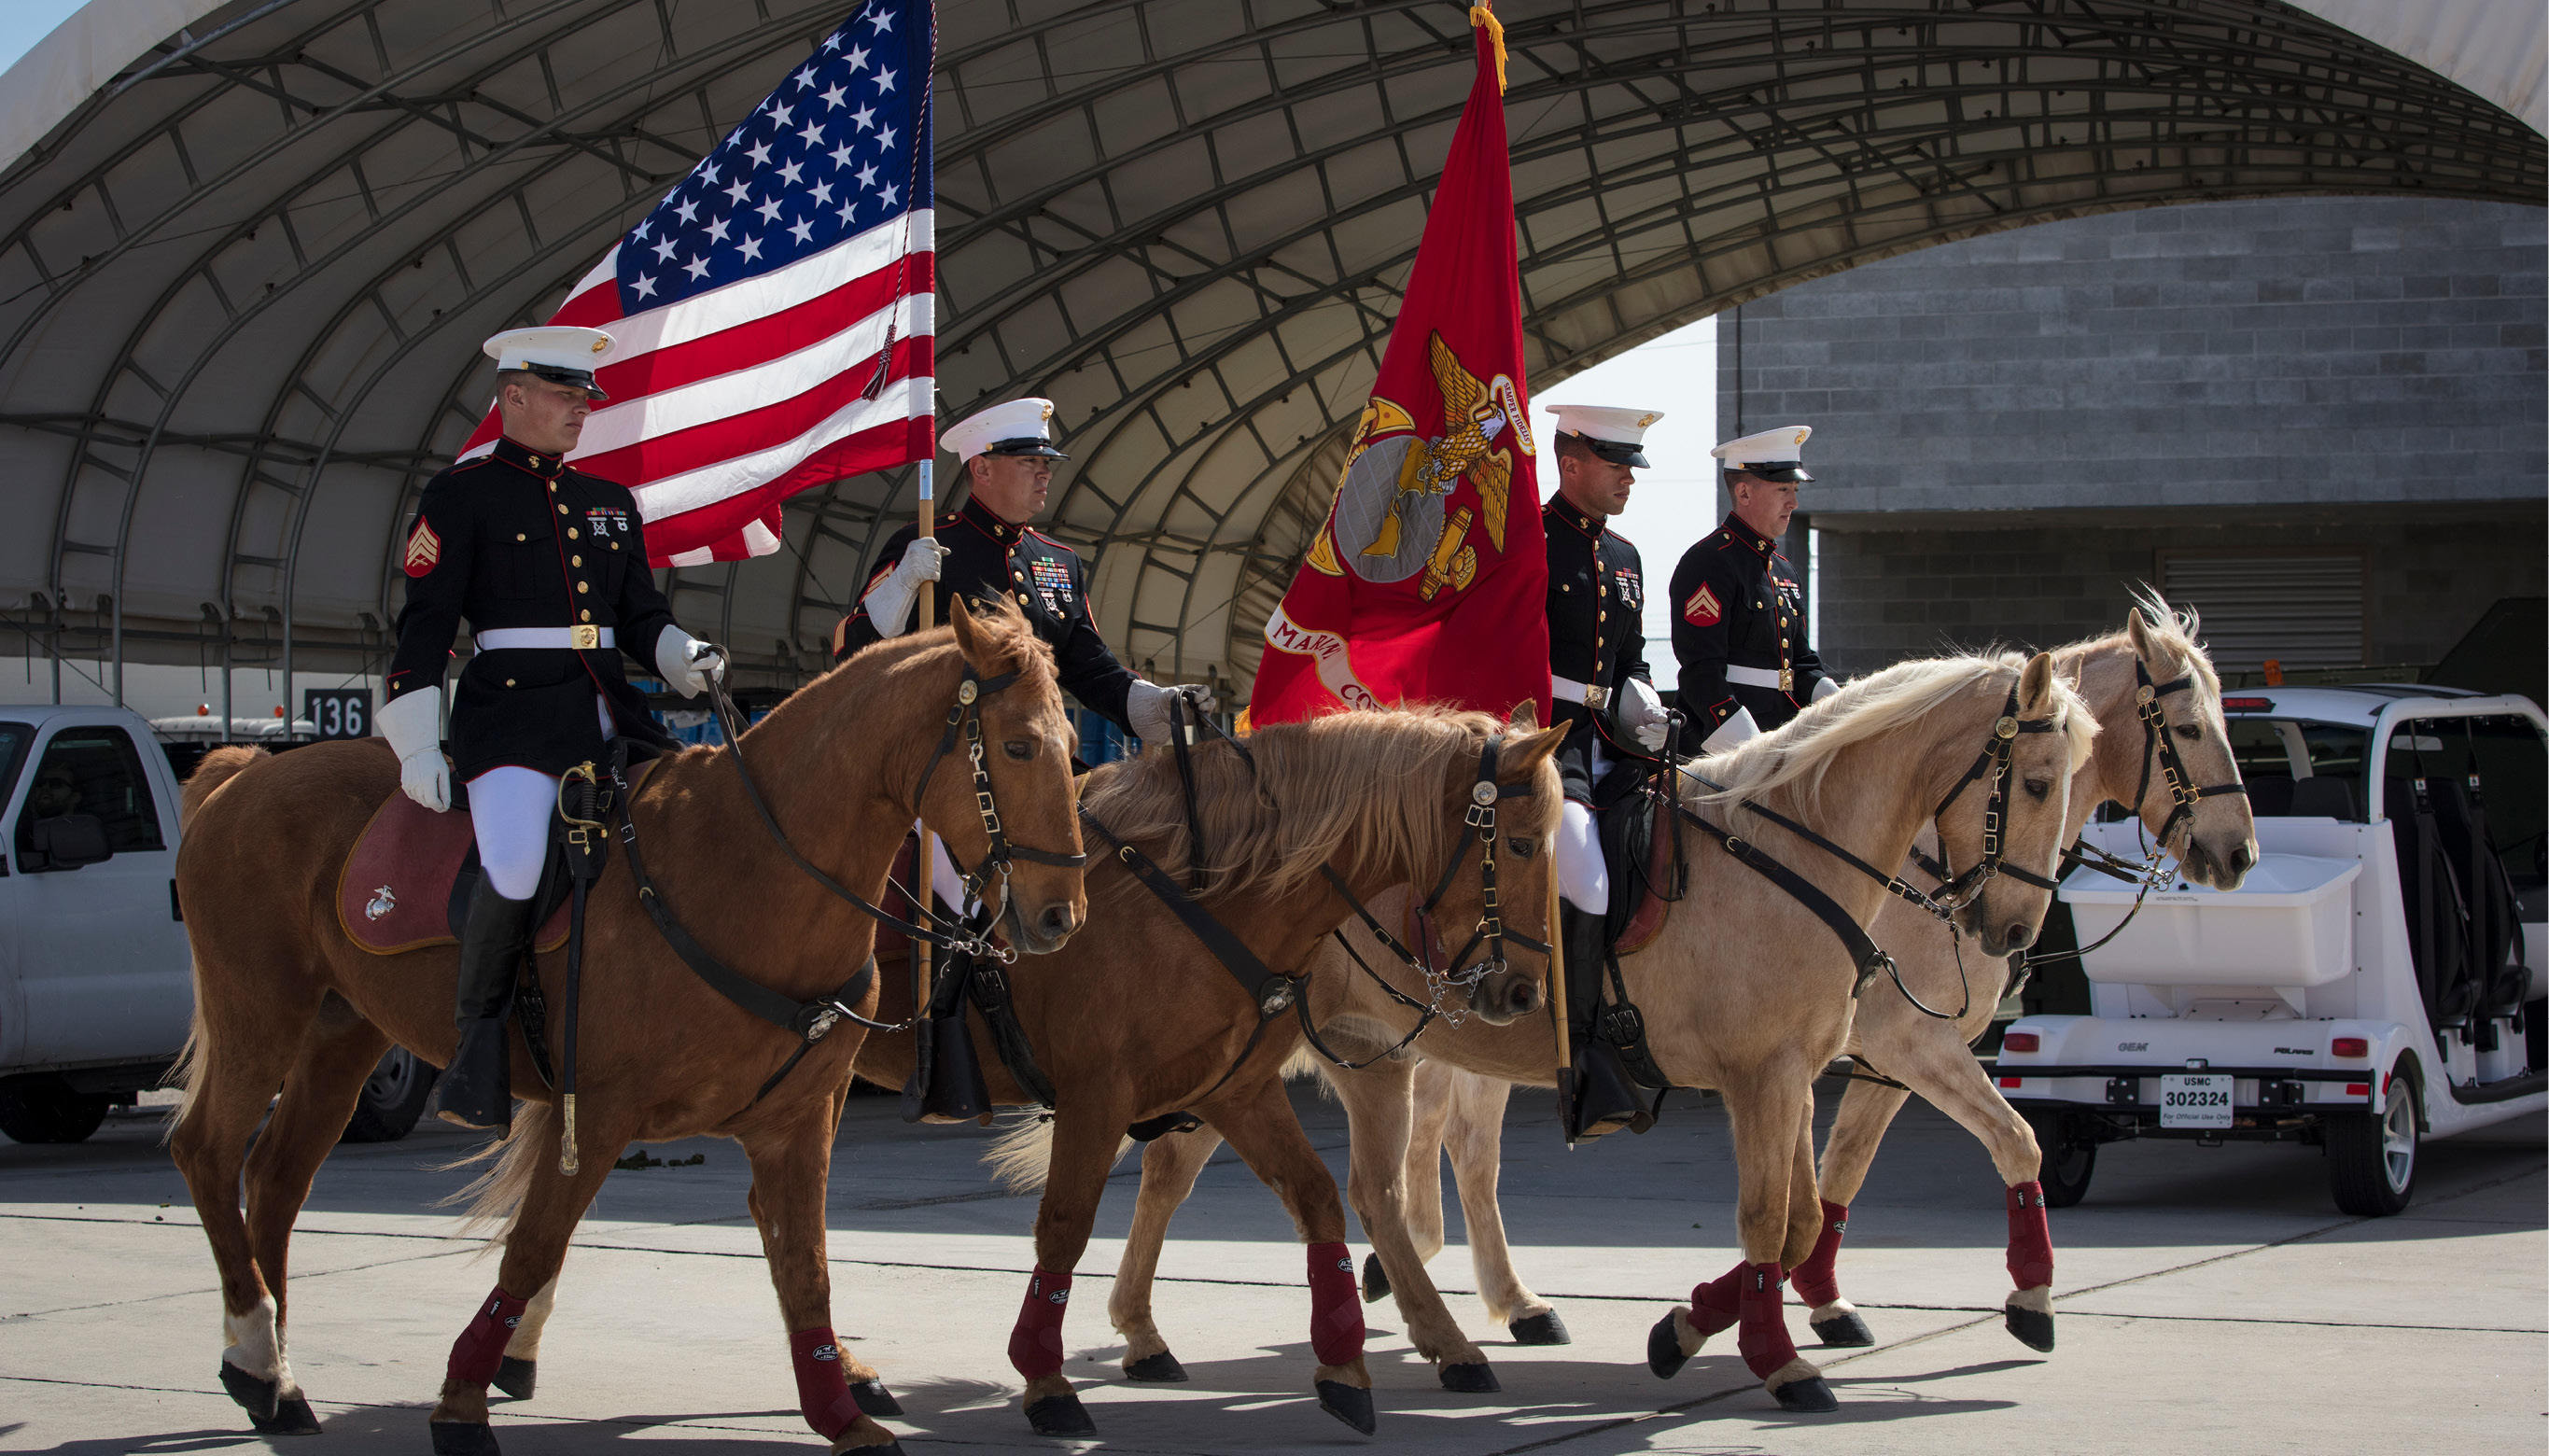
(1956, 890)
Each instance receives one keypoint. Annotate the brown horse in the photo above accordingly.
(1137, 1020)
(1743, 991)
(284, 1000)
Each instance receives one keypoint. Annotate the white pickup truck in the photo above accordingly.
(95, 986)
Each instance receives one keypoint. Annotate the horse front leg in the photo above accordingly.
(1771, 1111)
(1474, 1136)
(1867, 1109)
(1950, 1079)
(1258, 1121)
(1378, 1104)
(1083, 1149)
(792, 1163)
(1170, 1166)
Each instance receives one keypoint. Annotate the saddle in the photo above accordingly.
(407, 882)
(1643, 851)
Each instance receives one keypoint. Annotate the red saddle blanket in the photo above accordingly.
(1647, 920)
(394, 893)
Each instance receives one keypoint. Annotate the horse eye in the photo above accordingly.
(2038, 788)
(2190, 731)
(1521, 846)
(1019, 750)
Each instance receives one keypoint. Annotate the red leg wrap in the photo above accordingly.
(480, 1351)
(823, 1394)
(2030, 1243)
(1035, 1343)
(1763, 1339)
(1815, 1279)
(1714, 1305)
(1336, 1315)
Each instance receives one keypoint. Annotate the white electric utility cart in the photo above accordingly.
(2377, 980)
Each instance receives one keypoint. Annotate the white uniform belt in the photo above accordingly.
(1757, 677)
(1569, 689)
(570, 638)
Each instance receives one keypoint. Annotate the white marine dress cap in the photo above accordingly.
(560, 354)
(1020, 427)
(1614, 433)
(1772, 454)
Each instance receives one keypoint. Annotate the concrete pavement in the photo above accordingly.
(2209, 1298)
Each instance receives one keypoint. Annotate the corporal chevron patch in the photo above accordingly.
(1703, 607)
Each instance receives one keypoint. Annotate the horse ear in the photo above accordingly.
(2035, 683)
(2137, 626)
(971, 638)
(1524, 756)
(1524, 718)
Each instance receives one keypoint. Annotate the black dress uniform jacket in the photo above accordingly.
(1597, 599)
(988, 559)
(1736, 602)
(519, 539)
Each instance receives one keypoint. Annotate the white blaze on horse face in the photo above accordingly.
(257, 1346)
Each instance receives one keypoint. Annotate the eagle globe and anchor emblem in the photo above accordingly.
(1390, 510)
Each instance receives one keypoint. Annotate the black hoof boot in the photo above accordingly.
(1664, 1351)
(1375, 1280)
(517, 1377)
(1845, 1331)
(1349, 1403)
(1160, 1368)
(1061, 1416)
(463, 1438)
(1543, 1328)
(2032, 1328)
(292, 1417)
(1478, 1378)
(254, 1396)
(875, 1399)
(1807, 1396)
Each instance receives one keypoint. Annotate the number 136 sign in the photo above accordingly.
(339, 712)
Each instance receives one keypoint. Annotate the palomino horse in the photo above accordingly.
(1742, 992)
(1136, 1021)
(283, 999)
(2197, 811)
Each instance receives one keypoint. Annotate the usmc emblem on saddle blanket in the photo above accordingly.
(1391, 516)
(383, 901)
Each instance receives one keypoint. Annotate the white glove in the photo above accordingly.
(1146, 705)
(1642, 713)
(1732, 733)
(413, 723)
(687, 663)
(1823, 688)
(888, 605)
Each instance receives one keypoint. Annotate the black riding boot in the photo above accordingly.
(477, 1087)
(1606, 1100)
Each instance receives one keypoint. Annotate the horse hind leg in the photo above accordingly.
(1169, 1167)
(1475, 1137)
(238, 1055)
(1378, 1107)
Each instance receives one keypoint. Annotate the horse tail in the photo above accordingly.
(1021, 1156)
(183, 1073)
(217, 768)
(496, 1196)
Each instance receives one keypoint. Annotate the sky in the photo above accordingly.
(24, 21)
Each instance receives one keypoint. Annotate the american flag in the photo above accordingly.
(772, 313)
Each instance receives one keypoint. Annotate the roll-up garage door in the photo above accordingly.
(2303, 610)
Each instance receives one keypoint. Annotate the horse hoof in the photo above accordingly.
(463, 1438)
(1375, 1280)
(254, 1396)
(1663, 1349)
(1160, 1368)
(1847, 1332)
(1475, 1379)
(1061, 1416)
(2033, 1328)
(292, 1417)
(1543, 1328)
(875, 1399)
(517, 1377)
(1807, 1396)
(1349, 1403)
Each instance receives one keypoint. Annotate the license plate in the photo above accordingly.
(2199, 1101)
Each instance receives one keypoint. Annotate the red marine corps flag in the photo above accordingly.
(1429, 580)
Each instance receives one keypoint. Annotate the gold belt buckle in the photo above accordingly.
(1788, 679)
(1595, 695)
(586, 639)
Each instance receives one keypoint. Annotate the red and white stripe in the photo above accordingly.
(729, 402)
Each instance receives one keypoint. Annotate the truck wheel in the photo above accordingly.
(393, 1097)
(43, 1108)
(2372, 1157)
(2070, 1156)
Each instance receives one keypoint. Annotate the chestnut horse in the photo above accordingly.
(1743, 991)
(285, 1002)
(1136, 1019)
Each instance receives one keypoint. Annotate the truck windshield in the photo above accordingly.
(14, 738)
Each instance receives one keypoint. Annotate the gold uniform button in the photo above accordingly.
(518, 535)
(575, 560)
(571, 533)
(1017, 576)
(562, 511)
(615, 546)
(1565, 587)
(584, 617)
(552, 486)
(509, 682)
(583, 587)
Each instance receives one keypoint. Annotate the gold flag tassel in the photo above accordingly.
(1485, 18)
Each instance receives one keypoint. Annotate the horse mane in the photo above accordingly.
(1350, 788)
(2172, 630)
(1798, 754)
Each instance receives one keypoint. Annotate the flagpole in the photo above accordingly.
(1557, 1013)
(925, 871)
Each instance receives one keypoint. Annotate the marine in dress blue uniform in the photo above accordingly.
(1738, 625)
(549, 568)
